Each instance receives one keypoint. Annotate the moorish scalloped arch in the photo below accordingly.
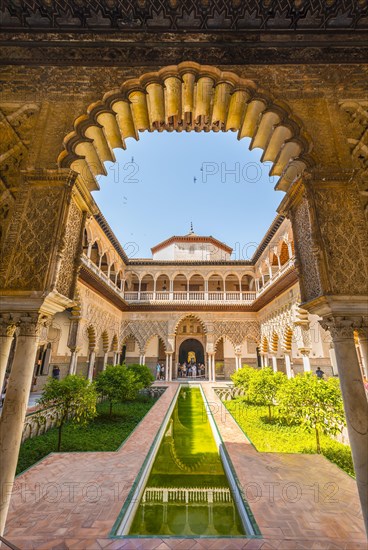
(187, 97)
(190, 315)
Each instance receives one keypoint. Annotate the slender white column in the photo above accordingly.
(15, 407)
(154, 289)
(237, 362)
(7, 330)
(209, 362)
(355, 400)
(290, 250)
(333, 360)
(306, 361)
(288, 365)
(170, 366)
(139, 289)
(143, 359)
(213, 368)
(115, 358)
(91, 364)
(274, 363)
(105, 357)
(73, 361)
(167, 368)
(89, 250)
(363, 344)
(262, 360)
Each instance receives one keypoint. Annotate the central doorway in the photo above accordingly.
(190, 349)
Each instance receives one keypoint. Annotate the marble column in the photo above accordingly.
(73, 361)
(170, 366)
(238, 364)
(105, 358)
(333, 359)
(274, 363)
(306, 361)
(7, 329)
(91, 364)
(15, 406)
(354, 397)
(167, 366)
(363, 344)
(288, 365)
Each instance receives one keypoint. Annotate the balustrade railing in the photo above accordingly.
(188, 296)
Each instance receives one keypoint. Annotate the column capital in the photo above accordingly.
(363, 332)
(31, 324)
(304, 351)
(342, 328)
(8, 324)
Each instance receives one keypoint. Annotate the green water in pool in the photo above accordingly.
(187, 492)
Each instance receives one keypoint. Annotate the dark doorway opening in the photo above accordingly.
(188, 348)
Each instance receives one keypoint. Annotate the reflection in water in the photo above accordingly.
(187, 492)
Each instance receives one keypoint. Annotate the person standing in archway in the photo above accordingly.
(158, 371)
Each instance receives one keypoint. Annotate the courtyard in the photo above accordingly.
(72, 500)
(183, 194)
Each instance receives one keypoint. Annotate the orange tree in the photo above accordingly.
(74, 398)
(314, 403)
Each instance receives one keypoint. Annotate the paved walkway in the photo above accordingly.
(70, 501)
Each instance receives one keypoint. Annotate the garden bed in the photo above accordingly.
(272, 436)
(104, 433)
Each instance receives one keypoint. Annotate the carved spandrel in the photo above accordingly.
(70, 252)
(33, 235)
(307, 252)
(343, 231)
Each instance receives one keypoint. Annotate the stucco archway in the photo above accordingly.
(187, 97)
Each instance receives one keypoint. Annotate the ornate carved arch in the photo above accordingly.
(187, 97)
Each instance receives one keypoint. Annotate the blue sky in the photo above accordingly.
(165, 181)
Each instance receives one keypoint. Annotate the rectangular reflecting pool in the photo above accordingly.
(187, 492)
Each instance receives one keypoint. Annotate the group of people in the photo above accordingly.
(160, 371)
(190, 370)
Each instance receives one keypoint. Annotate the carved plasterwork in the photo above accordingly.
(344, 232)
(97, 314)
(16, 125)
(342, 328)
(236, 331)
(6, 207)
(70, 252)
(30, 239)
(356, 131)
(172, 16)
(278, 322)
(143, 331)
(306, 251)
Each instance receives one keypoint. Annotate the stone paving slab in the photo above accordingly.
(70, 501)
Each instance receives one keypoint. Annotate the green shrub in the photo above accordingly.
(275, 436)
(314, 403)
(143, 374)
(242, 377)
(263, 387)
(74, 398)
(118, 384)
